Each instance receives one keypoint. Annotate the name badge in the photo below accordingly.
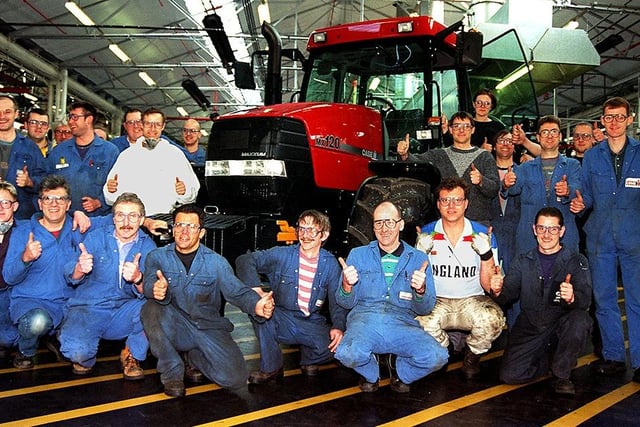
(62, 165)
(408, 296)
(632, 182)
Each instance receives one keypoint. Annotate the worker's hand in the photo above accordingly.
(566, 290)
(497, 281)
(481, 243)
(160, 286)
(349, 273)
(509, 179)
(335, 336)
(403, 148)
(157, 227)
(22, 177)
(419, 278)
(32, 250)
(131, 269)
(80, 221)
(577, 203)
(266, 305)
(89, 204)
(181, 189)
(598, 134)
(476, 176)
(112, 184)
(85, 260)
(562, 187)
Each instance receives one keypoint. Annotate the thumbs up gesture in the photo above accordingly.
(181, 189)
(481, 243)
(32, 250)
(598, 134)
(476, 176)
(112, 184)
(566, 290)
(349, 274)
(85, 260)
(562, 187)
(419, 278)
(497, 281)
(265, 305)
(509, 179)
(131, 270)
(577, 204)
(403, 148)
(22, 177)
(160, 286)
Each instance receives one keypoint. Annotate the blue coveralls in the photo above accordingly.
(8, 331)
(530, 186)
(104, 305)
(382, 319)
(541, 323)
(613, 231)
(25, 152)
(188, 318)
(87, 176)
(39, 289)
(289, 325)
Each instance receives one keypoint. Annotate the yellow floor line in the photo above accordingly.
(594, 407)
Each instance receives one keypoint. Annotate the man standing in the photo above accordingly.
(475, 165)
(611, 187)
(61, 133)
(21, 162)
(108, 292)
(169, 180)
(461, 253)
(191, 136)
(551, 179)
(184, 283)
(37, 125)
(582, 140)
(8, 206)
(84, 161)
(133, 129)
(385, 285)
(553, 285)
(304, 279)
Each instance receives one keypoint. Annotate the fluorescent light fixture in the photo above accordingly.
(146, 78)
(79, 13)
(571, 25)
(29, 97)
(514, 76)
(119, 52)
(375, 82)
(263, 12)
(204, 132)
(182, 111)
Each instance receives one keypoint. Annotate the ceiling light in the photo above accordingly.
(29, 97)
(182, 111)
(571, 25)
(514, 76)
(204, 132)
(146, 78)
(79, 13)
(119, 53)
(263, 12)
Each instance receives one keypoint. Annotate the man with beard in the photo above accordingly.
(108, 294)
(167, 181)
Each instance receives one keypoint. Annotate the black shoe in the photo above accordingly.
(368, 387)
(608, 367)
(22, 362)
(4, 352)
(174, 388)
(193, 375)
(396, 384)
(564, 386)
(259, 377)
(309, 370)
(636, 375)
(470, 364)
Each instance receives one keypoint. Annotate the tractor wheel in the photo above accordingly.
(413, 197)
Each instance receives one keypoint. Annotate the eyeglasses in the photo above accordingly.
(6, 204)
(463, 126)
(152, 124)
(133, 123)
(552, 229)
(618, 118)
(448, 201)
(505, 141)
(74, 117)
(38, 123)
(181, 226)
(62, 132)
(48, 200)
(582, 136)
(482, 103)
(309, 231)
(190, 131)
(131, 216)
(389, 223)
(549, 132)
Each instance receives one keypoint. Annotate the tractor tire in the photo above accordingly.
(413, 197)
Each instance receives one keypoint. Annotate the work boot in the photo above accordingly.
(78, 369)
(563, 386)
(368, 387)
(174, 388)
(396, 384)
(471, 364)
(608, 367)
(309, 370)
(260, 377)
(20, 361)
(192, 374)
(131, 369)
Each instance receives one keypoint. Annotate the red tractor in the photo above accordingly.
(366, 85)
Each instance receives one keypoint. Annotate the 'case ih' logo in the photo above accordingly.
(329, 141)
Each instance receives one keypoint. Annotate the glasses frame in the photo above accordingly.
(549, 132)
(504, 141)
(390, 223)
(48, 200)
(191, 228)
(553, 230)
(482, 103)
(41, 123)
(609, 118)
(582, 136)
(6, 204)
(309, 231)
(75, 117)
(463, 126)
(130, 216)
(447, 201)
(152, 124)
(191, 131)
(133, 123)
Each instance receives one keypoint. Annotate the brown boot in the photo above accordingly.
(131, 369)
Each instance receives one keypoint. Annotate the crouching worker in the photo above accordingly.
(304, 279)
(108, 297)
(386, 284)
(184, 282)
(553, 284)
